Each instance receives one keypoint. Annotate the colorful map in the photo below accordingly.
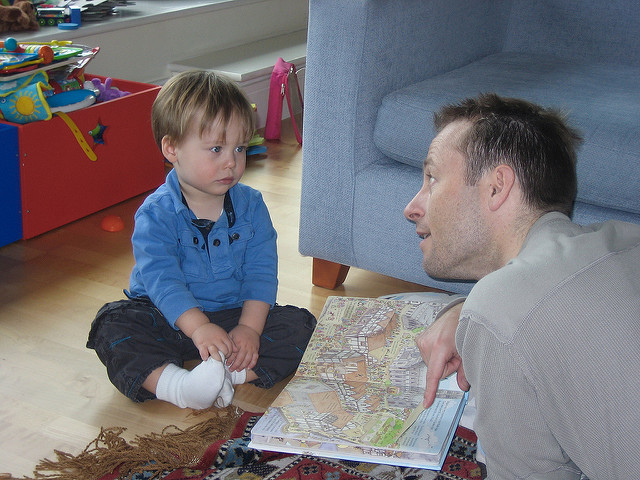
(359, 388)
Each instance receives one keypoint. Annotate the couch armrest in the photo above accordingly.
(357, 52)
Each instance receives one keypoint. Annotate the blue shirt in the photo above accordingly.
(178, 268)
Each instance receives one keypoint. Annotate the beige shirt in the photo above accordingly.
(551, 346)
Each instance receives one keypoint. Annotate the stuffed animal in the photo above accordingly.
(105, 91)
(18, 17)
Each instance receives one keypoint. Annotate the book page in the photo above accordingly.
(361, 383)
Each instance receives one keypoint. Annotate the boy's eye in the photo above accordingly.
(216, 149)
(241, 149)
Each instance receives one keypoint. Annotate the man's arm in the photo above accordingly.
(437, 345)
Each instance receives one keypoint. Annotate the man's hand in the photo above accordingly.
(437, 345)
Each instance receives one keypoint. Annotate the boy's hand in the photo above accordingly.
(246, 335)
(208, 338)
(247, 341)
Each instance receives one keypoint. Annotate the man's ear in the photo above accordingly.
(168, 149)
(500, 185)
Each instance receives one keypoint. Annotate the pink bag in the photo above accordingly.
(284, 84)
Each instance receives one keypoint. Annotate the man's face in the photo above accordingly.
(448, 213)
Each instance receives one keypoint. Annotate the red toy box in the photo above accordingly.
(61, 183)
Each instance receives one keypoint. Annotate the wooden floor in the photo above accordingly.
(54, 392)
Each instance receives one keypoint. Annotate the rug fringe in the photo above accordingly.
(154, 453)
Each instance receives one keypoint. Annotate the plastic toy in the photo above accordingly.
(23, 100)
(256, 146)
(48, 51)
(22, 57)
(98, 133)
(68, 26)
(49, 15)
(105, 91)
(10, 44)
(112, 223)
(36, 78)
(42, 51)
(256, 150)
(71, 100)
(11, 60)
(91, 155)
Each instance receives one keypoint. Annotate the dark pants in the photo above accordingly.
(132, 338)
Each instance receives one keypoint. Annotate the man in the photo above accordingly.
(548, 340)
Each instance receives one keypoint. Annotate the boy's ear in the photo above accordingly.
(168, 149)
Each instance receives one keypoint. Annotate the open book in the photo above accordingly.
(358, 392)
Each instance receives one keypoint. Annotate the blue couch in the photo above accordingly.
(378, 69)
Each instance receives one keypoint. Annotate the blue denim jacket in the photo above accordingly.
(176, 270)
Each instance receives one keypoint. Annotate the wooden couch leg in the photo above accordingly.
(328, 274)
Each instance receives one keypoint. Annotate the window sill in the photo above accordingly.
(142, 12)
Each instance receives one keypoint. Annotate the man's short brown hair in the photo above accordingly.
(535, 141)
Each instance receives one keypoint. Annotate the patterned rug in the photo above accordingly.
(233, 459)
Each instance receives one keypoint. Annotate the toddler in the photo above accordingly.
(205, 278)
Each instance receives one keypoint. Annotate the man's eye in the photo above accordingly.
(216, 149)
(241, 149)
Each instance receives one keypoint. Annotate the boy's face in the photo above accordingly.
(208, 165)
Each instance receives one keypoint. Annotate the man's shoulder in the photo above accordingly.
(500, 300)
(554, 253)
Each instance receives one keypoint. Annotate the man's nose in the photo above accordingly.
(412, 211)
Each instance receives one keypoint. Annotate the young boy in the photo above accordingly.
(205, 279)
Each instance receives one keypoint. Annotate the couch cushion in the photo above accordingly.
(601, 100)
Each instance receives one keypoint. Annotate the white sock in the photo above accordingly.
(237, 377)
(206, 384)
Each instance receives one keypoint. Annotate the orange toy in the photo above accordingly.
(112, 223)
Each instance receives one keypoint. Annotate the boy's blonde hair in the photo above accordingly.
(193, 94)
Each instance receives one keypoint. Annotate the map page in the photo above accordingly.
(358, 391)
